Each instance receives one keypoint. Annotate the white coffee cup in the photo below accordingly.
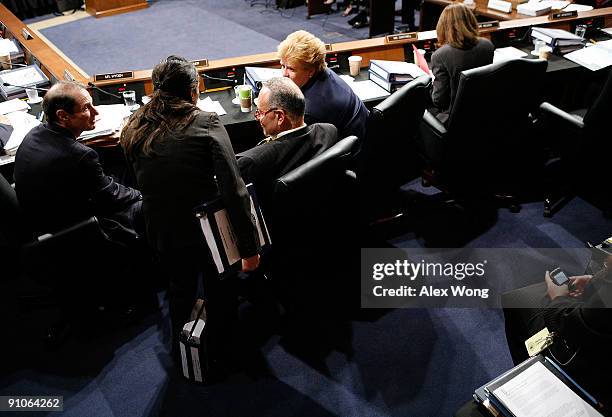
(354, 64)
(129, 98)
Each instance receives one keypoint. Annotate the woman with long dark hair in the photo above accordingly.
(182, 157)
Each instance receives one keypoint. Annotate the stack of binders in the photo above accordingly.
(561, 41)
(392, 75)
(256, 76)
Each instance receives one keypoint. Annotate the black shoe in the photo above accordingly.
(361, 24)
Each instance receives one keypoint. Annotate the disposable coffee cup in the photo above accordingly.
(544, 52)
(354, 64)
(32, 95)
(245, 97)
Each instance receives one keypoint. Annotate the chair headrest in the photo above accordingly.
(403, 97)
(342, 151)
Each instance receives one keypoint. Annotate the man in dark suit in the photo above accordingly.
(289, 142)
(59, 181)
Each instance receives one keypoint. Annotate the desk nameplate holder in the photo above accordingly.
(400, 37)
(26, 34)
(492, 24)
(68, 76)
(500, 5)
(200, 63)
(114, 76)
(562, 15)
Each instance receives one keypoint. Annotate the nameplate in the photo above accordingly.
(114, 76)
(401, 37)
(488, 25)
(200, 63)
(26, 35)
(500, 5)
(562, 15)
(328, 47)
(68, 76)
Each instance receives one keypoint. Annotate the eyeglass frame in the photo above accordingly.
(260, 115)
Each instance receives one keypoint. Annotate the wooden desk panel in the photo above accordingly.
(102, 8)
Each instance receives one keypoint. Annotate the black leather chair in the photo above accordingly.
(316, 203)
(12, 232)
(485, 145)
(388, 158)
(582, 141)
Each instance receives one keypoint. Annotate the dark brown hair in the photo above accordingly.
(170, 109)
(457, 26)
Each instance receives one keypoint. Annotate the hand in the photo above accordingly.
(250, 264)
(553, 289)
(577, 285)
(4, 120)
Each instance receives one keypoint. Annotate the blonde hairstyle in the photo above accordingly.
(457, 26)
(305, 47)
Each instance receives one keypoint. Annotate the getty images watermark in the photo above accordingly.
(474, 278)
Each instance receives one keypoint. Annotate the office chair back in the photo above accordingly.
(596, 117)
(12, 231)
(388, 158)
(314, 203)
(489, 124)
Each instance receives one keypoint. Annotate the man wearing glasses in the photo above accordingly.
(289, 141)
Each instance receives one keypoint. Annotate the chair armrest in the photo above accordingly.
(555, 116)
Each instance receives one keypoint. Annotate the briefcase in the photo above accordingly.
(192, 344)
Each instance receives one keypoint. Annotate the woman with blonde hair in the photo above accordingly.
(460, 48)
(329, 99)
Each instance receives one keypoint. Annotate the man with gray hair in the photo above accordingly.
(289, 142)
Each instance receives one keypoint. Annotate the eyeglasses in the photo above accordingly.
(261, 114)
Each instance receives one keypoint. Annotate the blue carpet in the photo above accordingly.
(192, 28)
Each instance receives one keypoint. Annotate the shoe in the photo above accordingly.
(361, 24)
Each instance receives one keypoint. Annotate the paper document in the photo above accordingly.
(368, 90)
(109, 120)
(537, 392)
(22, 76)
(507, 53)
(607, 30)
(594, 57)
(578, 8)
(211, 106)
(22, 123)
(555, 4)
(13, 105)
(7, 47)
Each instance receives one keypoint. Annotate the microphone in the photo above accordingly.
(231, 80)
(13, 64)
(43, 90)
(95, 87)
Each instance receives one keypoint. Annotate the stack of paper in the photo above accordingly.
(211, 106)
(22, 123)
(507, 53)
(110, 120)
(594, 57)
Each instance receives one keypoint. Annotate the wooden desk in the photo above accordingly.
(431, 9)
(102, 8)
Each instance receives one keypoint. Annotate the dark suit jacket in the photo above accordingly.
(330, 100)
(5, 134)
(265, 163)
(60, 181)
(187, 169)
(446, 65)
